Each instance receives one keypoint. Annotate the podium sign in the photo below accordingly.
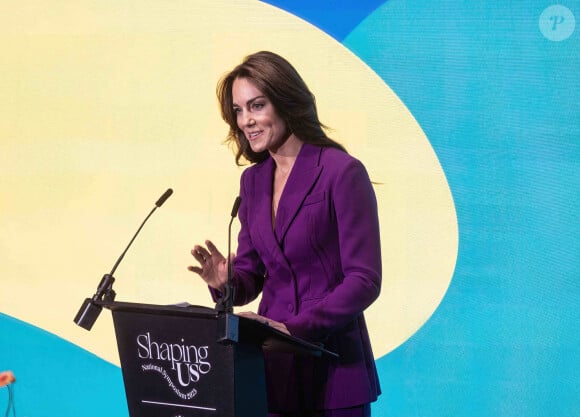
(173, 366)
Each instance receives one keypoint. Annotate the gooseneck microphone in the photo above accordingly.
(90, 309)
(226, 303)
(158, 204)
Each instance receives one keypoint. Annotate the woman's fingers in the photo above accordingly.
(200, 253)
(213, 250)
(195, 269)
(212, 265)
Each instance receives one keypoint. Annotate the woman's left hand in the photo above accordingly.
(269, 322)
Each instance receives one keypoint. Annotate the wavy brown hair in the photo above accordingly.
(279, 81)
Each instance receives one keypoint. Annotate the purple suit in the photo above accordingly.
(317, 269)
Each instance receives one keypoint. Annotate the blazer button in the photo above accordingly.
(290, 308)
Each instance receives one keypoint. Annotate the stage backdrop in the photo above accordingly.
(465, 113)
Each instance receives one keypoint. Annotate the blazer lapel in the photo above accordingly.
(263, 214)
(305, 172)
(263, 206)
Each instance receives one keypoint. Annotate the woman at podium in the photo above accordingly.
(309, 241)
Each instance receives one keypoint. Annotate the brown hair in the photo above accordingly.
(278, 80)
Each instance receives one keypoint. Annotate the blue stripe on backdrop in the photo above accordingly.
(55, 377)
(499, 103)
(336, 17)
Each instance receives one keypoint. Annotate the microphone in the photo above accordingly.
(163, 198)
(226, 303)
(90, 309)
(235, 209)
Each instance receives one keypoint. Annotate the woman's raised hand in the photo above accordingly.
(213, 267)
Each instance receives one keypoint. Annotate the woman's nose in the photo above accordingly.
(248, 119)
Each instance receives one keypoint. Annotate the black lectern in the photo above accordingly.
(194, 362)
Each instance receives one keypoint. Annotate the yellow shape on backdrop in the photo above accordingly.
(107, 104)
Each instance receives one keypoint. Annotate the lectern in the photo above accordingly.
(195, 362)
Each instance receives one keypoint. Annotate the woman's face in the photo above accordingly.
(257, 117)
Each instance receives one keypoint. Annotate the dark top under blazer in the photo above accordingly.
(318, 268)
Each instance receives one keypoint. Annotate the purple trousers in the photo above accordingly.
(359, 411)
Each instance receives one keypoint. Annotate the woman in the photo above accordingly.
(309, 241)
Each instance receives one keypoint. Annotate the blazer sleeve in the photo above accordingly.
(249, 270)
(356, 212)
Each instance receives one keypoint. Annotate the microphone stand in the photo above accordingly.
(226, 303)
(91, 307)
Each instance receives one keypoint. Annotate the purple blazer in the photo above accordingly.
(318, 269)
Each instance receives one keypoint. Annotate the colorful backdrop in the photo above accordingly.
(466, 115)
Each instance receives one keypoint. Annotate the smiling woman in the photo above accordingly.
(257, 119)
(309, 243)
(113, 98)
(265, 97)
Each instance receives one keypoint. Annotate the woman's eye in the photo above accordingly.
(258, 106)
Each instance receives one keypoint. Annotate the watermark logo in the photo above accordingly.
(557, 23)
